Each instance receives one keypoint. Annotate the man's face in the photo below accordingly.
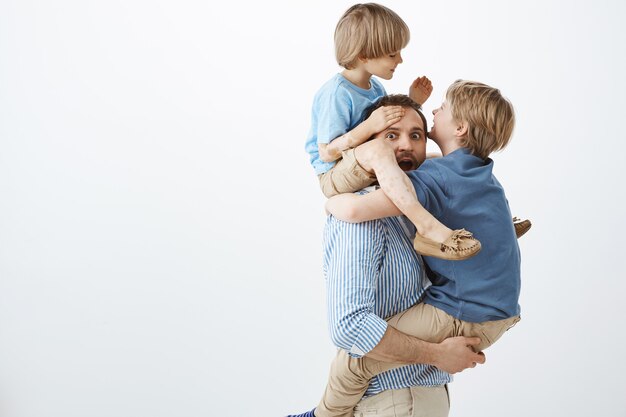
(408, 140)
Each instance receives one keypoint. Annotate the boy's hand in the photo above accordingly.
(383, 117)
(420, 90)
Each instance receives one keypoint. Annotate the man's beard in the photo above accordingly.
(407, 161)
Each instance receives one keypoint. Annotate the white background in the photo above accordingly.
(160, 227)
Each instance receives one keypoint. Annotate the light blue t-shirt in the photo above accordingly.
(337, 108)
(461, 191)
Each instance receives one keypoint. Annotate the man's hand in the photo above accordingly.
(420, 90)
(383, 117)
(455, 354)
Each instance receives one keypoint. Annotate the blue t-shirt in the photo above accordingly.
(337, 108)
(461, 191)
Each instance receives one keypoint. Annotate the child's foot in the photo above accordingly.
(458, 246)
(521, 226)
(307, 414)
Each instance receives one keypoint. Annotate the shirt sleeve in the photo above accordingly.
(429, 188)
(353, 255)
(334, 115)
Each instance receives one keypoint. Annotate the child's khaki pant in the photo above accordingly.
(406, 402)
(350, 377)
(347, 176)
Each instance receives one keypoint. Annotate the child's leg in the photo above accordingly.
(377, 156)
(347, 382)
(416, 401)
(488, 331)
(347, 176)
(521, 226)
(440, 325)
(349, 377)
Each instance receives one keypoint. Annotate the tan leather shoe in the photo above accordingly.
(460, 245)
(521, 226)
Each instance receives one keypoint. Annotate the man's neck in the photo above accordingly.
(358, 77)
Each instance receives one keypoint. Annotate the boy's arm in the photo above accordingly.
(379, 120)
(330, 152)
(420, 90)
(354, 208)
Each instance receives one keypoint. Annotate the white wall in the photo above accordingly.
(160, 227)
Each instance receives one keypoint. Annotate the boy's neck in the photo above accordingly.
(358, 77)
(447, 147)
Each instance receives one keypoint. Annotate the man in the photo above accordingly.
(373, 273)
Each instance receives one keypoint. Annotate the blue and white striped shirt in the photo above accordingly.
(372, 273)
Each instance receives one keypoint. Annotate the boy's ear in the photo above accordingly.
(461, 129)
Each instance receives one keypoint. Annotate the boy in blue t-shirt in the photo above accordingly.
(368, 41)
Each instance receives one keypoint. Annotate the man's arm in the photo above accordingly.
(352, 257)
(452, 355)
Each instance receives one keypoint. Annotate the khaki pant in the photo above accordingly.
(406, 402)
(349, 377)
(347, 176)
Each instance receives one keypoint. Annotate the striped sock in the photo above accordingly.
(307, 414)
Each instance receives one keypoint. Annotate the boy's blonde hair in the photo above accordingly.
(368, 30)
(489, 116)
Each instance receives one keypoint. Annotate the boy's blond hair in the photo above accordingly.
(368, 30)
(489, 116)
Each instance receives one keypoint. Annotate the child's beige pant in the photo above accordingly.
(347, 176)
(350, 377)
(406, 402)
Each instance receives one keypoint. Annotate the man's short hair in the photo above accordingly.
(489, 115)
(397, 100)
(368, 30)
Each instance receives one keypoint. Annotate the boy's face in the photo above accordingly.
(384, 66)
(408, 140)
(444, 126)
